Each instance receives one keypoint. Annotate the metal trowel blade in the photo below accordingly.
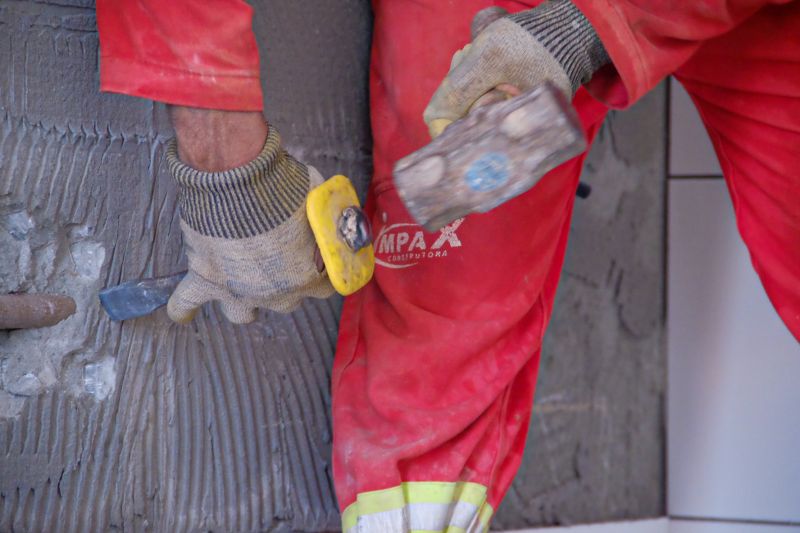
(138, 298)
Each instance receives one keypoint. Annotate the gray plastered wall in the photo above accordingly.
(596, 445)
(147, 426)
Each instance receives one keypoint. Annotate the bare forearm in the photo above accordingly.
(212, 141)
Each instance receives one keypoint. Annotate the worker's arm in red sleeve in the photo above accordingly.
(648, 40)
(195, 54)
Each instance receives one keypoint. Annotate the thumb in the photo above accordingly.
(474, 73)
(437, 124)
(192, 292)
(484, 17)
(238, 312)
(457, 94)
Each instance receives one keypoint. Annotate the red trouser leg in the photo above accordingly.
(197, 54)
(746, 86)
(437, 359)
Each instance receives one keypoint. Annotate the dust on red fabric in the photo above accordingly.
(746, 86)
(649, 40)
(437, 358)
(178, 53)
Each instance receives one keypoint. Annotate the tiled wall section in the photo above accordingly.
(662, 525)
(733, 394)
(690, 526)
(734, 422)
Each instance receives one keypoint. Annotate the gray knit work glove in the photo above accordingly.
(247, 238)
(553, 42)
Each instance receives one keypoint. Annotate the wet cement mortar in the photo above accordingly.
(145, 426)
(595, 449)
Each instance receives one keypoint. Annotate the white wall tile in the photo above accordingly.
(734, 372)
(656, 525)
(681, 526)
(690, 149)
(663, 525)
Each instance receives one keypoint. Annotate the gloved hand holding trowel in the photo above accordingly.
(260, 228)
(247, 238)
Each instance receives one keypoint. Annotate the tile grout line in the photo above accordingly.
(780, 523)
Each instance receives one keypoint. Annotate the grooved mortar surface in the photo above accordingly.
(148, 426)
(596, 444)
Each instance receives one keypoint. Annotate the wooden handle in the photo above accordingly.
(18, 311)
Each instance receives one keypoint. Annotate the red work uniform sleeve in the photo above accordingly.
(197, 54)
(648, 40)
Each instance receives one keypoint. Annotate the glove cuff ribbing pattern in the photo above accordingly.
(244, 201)
(567, 34)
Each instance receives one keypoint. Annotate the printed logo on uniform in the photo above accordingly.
(405, 244)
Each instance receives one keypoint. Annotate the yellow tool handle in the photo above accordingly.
(348, 269)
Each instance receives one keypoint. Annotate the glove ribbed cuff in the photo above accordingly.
(244, 201)
(567, 34)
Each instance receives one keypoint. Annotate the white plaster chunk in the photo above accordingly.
(46, 262)
(24, 259)
(18, 225)
(10, 405)
(88, 257)
(99, 378)
(26, 375)
(47, 376)
(26, 385)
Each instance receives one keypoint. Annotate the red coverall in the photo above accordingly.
(437, 358)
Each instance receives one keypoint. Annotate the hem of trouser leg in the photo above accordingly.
(421, 506)
(180, 87)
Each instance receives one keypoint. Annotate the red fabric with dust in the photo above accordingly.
(196, 54)
(740, 62)
(437, 358)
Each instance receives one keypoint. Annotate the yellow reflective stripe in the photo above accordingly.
(444, 492)
(485, 515)
(450, 529)
(381, 500)
(349, 517)
(410, 492)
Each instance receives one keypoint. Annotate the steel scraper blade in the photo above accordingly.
(133, 299)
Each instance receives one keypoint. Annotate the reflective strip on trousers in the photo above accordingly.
(456, 508)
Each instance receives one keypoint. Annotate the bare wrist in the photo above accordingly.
(213, 140)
